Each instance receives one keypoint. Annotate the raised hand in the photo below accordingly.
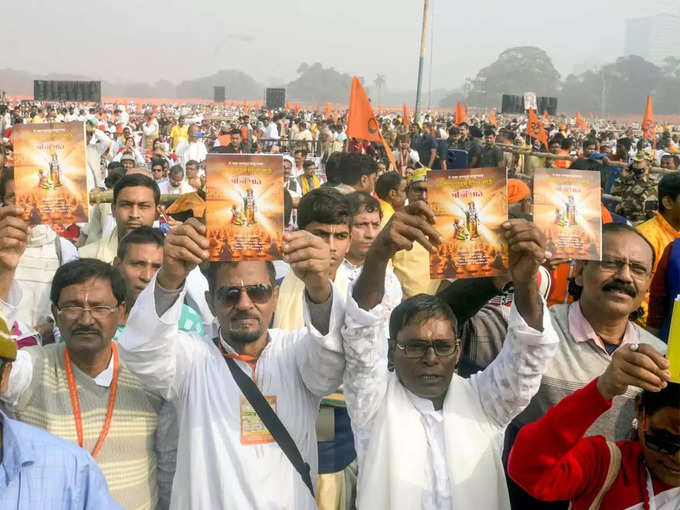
(185, 247)
(14, 233)
(526, 249)
(309, 258)
(644, 368)
(406, 226)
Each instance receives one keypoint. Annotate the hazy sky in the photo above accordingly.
(147, 40)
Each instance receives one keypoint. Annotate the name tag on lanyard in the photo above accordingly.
(253, 431)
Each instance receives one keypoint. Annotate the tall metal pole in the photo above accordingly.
(423, 39)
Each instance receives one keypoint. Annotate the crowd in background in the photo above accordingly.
(395, 390)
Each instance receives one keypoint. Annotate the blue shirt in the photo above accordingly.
(39, 470)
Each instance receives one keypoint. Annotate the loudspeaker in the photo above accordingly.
(512, 104)
(51, 90)
(220, 94)
(275, 98)
(546, 103)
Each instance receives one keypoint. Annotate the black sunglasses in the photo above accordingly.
(664, 443)
(230, 296)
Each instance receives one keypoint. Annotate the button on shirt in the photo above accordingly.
(438, 491)
(42, 471)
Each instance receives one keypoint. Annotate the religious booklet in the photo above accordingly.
(50, 169)
(567, 208)
(470, 207)
(244, 206)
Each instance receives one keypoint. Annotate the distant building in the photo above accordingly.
(653, 37)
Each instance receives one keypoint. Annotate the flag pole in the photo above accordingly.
(423, 38)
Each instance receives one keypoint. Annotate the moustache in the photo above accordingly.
(244, 316)
(621, 286)
(86, 331)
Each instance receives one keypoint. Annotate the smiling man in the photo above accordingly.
(79, 389)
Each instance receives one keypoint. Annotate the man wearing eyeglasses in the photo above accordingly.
(79, 389)
(425, 437)
(607, 294)
(227, 458)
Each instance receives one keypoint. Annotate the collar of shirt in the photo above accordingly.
(581, 330)
(16, 452)
(425, 406)
(105, 377)
(352, 270)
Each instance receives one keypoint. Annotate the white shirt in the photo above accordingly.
(504, 388)
(435, 470)
(187, 151)
(167, 188)
(393, 296)
(271, 131)
(214, 470)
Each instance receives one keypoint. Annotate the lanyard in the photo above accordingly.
(75, 403)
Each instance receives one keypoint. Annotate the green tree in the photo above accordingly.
(516, 71)
(317, 84)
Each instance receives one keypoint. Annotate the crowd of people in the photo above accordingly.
(136, 374)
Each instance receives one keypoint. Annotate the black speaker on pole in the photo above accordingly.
(512, 104)
(220, 94)
(51, 90)
(275, 98)
(549, 104)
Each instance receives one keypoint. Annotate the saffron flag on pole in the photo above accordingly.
(327, 112)
(581, 122)
(535, 128)
(460, 114)
(492, 118)
(407, 117)
(648, 126)
(361, 122)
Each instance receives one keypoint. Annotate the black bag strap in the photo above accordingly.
(271, 421)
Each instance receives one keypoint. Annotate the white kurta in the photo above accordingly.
(214, 470)
(395, 434)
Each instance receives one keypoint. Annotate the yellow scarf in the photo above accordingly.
(305, 183)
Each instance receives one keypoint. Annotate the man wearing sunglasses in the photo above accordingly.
(226, 457)
(425, 437)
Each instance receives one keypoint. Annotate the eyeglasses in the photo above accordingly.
(664, 443)
(442, 348)
(98, 313)
(259, 294)
(612, 264)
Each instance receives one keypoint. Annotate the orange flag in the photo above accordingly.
(648, 126)
(327, 112)
(535, 128)
(361, 122)
(287, 105)
(407, 117)
(492, 118)
(581, 122)
(460, 114)
(546, 116)
(297, 108)
(335, 117)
